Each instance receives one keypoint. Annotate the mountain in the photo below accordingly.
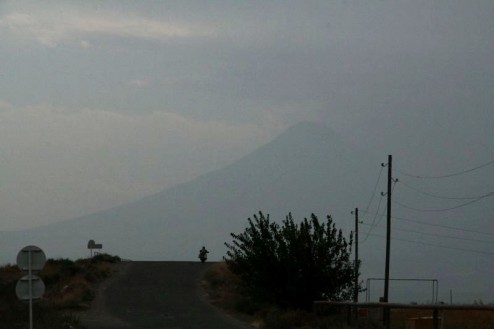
(307, 169)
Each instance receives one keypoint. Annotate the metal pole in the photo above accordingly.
(367, 293)
(437, 290)
(433, 292)
(30, 272)
(355, 296)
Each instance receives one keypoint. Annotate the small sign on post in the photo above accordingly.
(93, 245)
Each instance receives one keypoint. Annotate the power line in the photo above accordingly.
(437, 245)
(392, 190)
(372, 199)
(440, 225)
(441, 235)
(443, 226)
(374, 224)
(375, 189)
(446, 209)
(438, 196)
(374, 219)
(447, 175)
(445, 236)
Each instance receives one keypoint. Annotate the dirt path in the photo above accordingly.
(156, 295)
(99, 316)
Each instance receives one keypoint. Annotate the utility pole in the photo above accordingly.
(354, 310)
(387, 323)
(355, 296)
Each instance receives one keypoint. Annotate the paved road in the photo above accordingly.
(156, 295)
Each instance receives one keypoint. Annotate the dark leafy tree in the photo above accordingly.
(292, 264)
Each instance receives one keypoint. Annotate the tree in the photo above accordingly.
(293, 264)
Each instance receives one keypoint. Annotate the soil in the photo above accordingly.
(99, 315)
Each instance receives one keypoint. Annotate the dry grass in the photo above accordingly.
(75, 294)
(452, 319)
(69, 287)
(469, 319)
(224, 290)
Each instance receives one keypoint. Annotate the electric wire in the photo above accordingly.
(444, 226)
(440, 225)
(372, 199)
(445, 209)
(374, 224)
(437, 245)
(447, 175)
(373, 220)
(440, 235)
(436, 195)
(392, 190)
(375, 189)
(472, 200)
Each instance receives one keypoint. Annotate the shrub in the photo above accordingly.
(294, 264)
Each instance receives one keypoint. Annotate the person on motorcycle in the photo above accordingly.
(203, 254)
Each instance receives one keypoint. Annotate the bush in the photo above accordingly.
(105, 258)
(294, 264)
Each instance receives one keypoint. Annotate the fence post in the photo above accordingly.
(435, 320)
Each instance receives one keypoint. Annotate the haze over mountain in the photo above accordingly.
(307, 169)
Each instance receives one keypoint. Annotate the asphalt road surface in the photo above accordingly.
(156, 295)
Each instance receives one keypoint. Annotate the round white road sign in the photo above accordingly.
(22, 288)
(31, 257)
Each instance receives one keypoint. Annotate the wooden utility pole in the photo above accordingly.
(388, 244)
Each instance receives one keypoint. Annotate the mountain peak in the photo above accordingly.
(308, 128)
(308, 125)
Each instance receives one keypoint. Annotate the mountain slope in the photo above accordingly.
(307, 169)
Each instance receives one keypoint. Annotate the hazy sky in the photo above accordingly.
(104, 102)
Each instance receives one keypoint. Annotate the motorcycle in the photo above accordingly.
(203, 255)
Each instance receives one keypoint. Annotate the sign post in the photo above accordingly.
(31, 259)
(93, 245)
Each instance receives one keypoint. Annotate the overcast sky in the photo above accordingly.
(104, 102)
